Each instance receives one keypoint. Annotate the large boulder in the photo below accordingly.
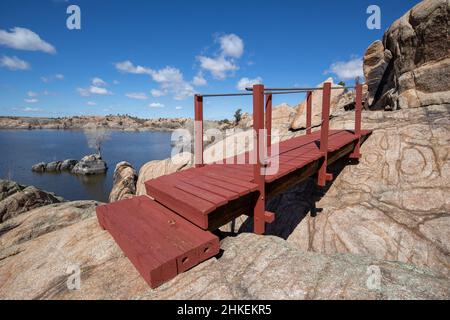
(411, 68)
(124, 182)
(8, 187)
(25, 200)
(68, 164)
(39, 167)
(91, 164)
(53, 166)
(376, 61)
(394, 204)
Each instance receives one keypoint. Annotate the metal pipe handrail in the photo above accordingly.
(223, 94)
(299, 89)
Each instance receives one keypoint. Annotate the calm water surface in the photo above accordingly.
(20, 149)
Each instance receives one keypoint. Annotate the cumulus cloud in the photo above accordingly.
(218, 66)
(32, 100)
(156, 105)
(24, 39)
(137, 95)
(347, 70)
(52, 77)
(157, 93)
(178, 108)
(170, 79)
(85, 92)
(246, 82)
(14, 63)
(98, 82)
(224, 63)
(231, 45)
(32, 94)
(199, 80)
(128, 67)
(91, 103)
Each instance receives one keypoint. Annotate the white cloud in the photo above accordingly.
(29, 109)
(32, 100)
(170, 79)
(246, 82)
(231, 45)
(85, 92)
(52, 77)
(156, 105)
(347, 70)
(178, 108)
(91, 103)
(98, 82)
(116, 82)
(218, 67)
(137, 95)
(224, 63)
(32, 94)
(199, 80)
(24, 39)
(14, 63)
(157, 93)
(128, 67)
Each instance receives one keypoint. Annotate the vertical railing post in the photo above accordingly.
(258, 124)
(323, 176)
(356, 154)
(198, 130)
(269, 119)
(308, 112)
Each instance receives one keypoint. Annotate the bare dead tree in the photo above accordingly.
(96, 136)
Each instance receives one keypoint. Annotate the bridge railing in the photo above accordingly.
(262, 124)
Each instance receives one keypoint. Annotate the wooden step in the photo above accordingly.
(159, 242)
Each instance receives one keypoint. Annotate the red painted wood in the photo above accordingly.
(356, 154)
(198, 128)
(308, 112)
(324, 131)
(269, 118)
(187, 205)
(258, 124)
(158, 242)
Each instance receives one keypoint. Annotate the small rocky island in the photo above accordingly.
(88, 165)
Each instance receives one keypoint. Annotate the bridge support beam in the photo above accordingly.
(259, 217)
(269, 119)
(308, 112)
(198, 131)
(323, 176)
(356, 154)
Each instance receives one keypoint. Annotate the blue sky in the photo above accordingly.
(147, 58)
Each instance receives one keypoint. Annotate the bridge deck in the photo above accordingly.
(212, 195)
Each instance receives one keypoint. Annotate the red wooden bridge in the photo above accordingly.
(169, 230)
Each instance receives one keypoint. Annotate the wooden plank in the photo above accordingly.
(189, 206)
(230, 195)
(201, 193)
(158, 242)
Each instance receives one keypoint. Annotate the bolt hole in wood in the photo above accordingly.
(206, 250)
(184, 260)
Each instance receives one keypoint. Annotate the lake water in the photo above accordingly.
(20, 149)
